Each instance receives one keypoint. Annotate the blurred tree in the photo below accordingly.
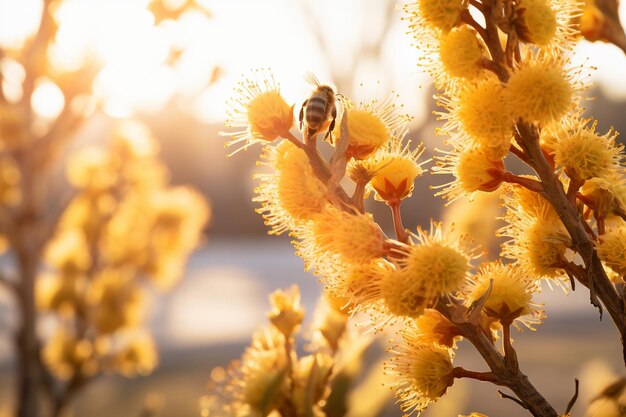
(84, 254)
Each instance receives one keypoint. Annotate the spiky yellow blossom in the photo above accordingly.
(330, 319)
(511, 293)
(394, 171)
(540, 90)
(483, 112)
(354, 237)
(259, 379)
(433, 267)
(370, 125)
(612, 249)
(116, 301)
(582, 152)
(539, 243)
(533, 203)
(435, 14)
(67, 356)
(258, 110)
(604, 195)
(461, 52)
(310, 379)
(421, 372)
(291, 193)
(433, 327)
(474, 171)
(286, 314)
(138, 357)
(535, 21)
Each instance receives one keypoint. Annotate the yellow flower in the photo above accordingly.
(291, 194)
(394, 168)
(537, 243)
(474, 171)
(93, 168)
(582, 152)
(461, 52)
(286, 314)
(422, 372)
(68, 253)
(612, 249)
(259, 111)
(138, 357)
(536, 21)
(67, 356)
(484, 114)
(511, 293)
(354, 237)
(116, 302)
(370, 126)
(434, 267)
(436, 14)
(540, 90)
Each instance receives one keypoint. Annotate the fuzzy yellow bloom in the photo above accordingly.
(531, 202)
(604, 195)
(461, 52)
(370, 125)
(394, 180)
(474, 171)
(511, 293)
(138, 357)
(422, 372)
(93, 168)
(612, 249)
(263, 371)
(486, 116)
(310, 379)
(354, 237)
(286, 314)
(582, 152)
(433, 267)
(433, 327)
(536, 21)
(68, 253)
(116, 302)
(291, 193)
(258, 110)
(437, 14)
(540, 90)
(67, 356)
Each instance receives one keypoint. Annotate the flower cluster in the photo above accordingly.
(124, 228)
(507, 90)
(272, 378)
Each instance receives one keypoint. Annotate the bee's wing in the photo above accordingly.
(310, 78)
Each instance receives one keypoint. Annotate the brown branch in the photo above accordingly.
(599, 285)
(510, 356)
(460, 372)
(571, 403)
(512, 398)
(528, 183)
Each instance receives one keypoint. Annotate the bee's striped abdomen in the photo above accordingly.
(316, 111)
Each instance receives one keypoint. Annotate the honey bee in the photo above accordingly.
(319, 107)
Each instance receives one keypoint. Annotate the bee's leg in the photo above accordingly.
(332, 123)
(301, 117)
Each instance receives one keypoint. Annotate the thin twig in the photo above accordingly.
(401, 233)
(571, 403)
(510, 397)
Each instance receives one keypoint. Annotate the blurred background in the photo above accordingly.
(172, 64)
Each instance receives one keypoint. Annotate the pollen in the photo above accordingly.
(540, 91)
(461, 52)
(258, 111)
(511, 293)
(536, 21)
(612, 249)
(421, 372)
(354, 237)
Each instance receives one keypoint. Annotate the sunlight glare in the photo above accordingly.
(18, 21)
(47, 99)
